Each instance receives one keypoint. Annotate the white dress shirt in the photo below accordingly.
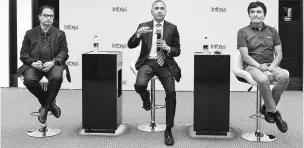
(153, 51)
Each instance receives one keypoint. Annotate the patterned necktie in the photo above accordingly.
(160, 53)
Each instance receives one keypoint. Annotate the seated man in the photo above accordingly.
(44, 53)
(261, 51)
(157, 58)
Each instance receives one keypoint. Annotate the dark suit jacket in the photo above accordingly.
(170, 35)
(31, 48)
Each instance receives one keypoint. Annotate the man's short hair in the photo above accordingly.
(257, 4)
(157, 2)
(44, 7)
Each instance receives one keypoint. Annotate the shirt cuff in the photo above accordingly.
(168, 53)
(56, 62)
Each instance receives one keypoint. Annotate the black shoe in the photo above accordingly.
(146, 101)
(281, 124)
(147, 105)
(169, 141)
(268, 118)
(42, 115)
(55, 110)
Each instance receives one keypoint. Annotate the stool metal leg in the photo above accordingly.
(152, 126)
(43, 131)
(44, 86)
(258, 135)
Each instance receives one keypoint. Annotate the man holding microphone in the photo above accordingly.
(159, 45)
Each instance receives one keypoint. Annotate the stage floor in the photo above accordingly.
(18, 103)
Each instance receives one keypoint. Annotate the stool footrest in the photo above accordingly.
(159, 106)
(255, 116)
(37, 113)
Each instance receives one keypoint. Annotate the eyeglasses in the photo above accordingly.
(46, 16)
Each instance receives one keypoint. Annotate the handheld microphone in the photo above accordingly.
(159, 36)
(158, 33)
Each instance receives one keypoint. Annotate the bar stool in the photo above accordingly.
(245, 77)
(153, 126)
(43, 130)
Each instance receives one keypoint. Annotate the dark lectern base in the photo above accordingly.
(231, 134)
(99, 130)
(211, 133)
(122, 128)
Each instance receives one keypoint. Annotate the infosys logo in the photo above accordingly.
(119, 9)
(217, 46)
(218, 9)
(71, 27)
(71, 63)
(117, 45)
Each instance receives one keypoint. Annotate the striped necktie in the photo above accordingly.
(160, 53)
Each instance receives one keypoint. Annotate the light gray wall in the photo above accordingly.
(4, 38)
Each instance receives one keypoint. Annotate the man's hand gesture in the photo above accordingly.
(143, 30)
(47, 66)
(37, 65)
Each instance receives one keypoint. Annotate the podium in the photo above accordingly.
(211, 94)
(101, 91)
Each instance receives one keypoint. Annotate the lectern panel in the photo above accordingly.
(211, 94)
(101, 102)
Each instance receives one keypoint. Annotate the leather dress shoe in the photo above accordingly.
(146, 101)
(281, 124)
(42, 115)
(147, 105)
(268, 118)
(56, 111)
(168, 138)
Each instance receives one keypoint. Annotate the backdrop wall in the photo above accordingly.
(4, 60)
(24, 23)
(115, 21)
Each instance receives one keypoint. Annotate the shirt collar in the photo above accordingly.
(162, 23)
(48, 32)
(254, 28)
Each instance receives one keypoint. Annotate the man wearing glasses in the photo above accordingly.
(44, 52)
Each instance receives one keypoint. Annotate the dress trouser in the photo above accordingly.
(145, 73)
(32, 77)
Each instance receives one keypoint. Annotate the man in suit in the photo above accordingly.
(156, 58)
(258, 43)
(44, 52)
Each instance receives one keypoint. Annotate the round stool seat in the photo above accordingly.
(44, 83)
(152, 126)
(244, 76)
(43, 131)
(44, 80)
(154, 78)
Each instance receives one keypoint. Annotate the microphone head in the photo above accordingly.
(158, 35)
(159, 31)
